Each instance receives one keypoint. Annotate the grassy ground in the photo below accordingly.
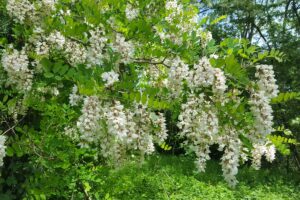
(171, 177)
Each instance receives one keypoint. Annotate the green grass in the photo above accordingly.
(172, 177)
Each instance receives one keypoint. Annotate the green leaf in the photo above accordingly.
(218, 19)
(9, 151)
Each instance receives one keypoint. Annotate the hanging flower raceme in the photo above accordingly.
(198, 122)
(203, 75)
(118, 130)
(88, 122)
(266, 81)
(16, 64)
(262, 111)
(116, 120)
(74, 98)
(219, 85)
(267, 149)
(230, 159)
(95, 51)
(177, 73)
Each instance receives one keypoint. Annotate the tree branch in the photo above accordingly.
(261, 35)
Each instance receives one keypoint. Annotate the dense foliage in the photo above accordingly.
(170, 177)
(89, 83)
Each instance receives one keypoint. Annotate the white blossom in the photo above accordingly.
(260, 149)
(95, 54)
(257, 153)
(76, 53)
(20, 9)
(56, 39)
(88, 122)
(174, 9)
(131, 12)
(49, 3)
(42, 48)
(110, 78)
(74, 98)
(205, 37)
(2, 149)
(72, 133)
(177, 73)
(202, 75)
(219, 85)
(16, 64)
(55, 91)
(159, 121)
(230, 158)
(262, 112)
(267, 81)
(116, 121)
(198, 122)
(124, 48)
(270, 152)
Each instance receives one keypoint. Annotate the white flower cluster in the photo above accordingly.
(88, 122)
(118, 129)
(57, 39)
(110, 78)
(205, 37)
(267, 81)
(174, 9)
(146, 127)
(20, 9)
(39, 42)
(155, 76)
(16, 64)
(164, 35)
(262, 111)
(74, 98)
(198, 122)
(95, 53)
(116, 121)
(270, 152)
(131, 12)
(124, 48)
(177, 73)
(2, 149)
(159, 122)
(219, 85)
(42, 48)
(260, 101)
(72, 133)
(203, 75)
(49, 3)
(259, 150)
(177, 19)
(232, 153)
(75, 52)
(23, 10)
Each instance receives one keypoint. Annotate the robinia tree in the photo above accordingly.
(98, 77)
